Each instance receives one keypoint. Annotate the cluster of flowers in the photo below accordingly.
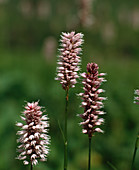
(69, 59)
(67, 74)
(92, 102)
(136, 99)
(33, 138)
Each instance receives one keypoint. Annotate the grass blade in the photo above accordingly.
(135, 151)
(112, 166)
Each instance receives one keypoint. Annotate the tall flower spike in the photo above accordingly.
(136, 99)
(33, 139)
(92, 102)
(69, 59)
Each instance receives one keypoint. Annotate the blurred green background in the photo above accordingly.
(29, 37)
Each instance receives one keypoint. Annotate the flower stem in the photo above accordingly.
(31, 167)
(135, 151)
(65, 130)
(89, 155)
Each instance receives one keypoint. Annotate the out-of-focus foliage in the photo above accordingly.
(29, 36)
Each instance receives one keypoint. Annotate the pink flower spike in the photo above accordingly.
(69, 59)
(30, 138)
(92, 102)
(136, 98)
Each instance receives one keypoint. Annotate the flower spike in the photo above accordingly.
(69, 59)
(136, 99)
(92, 102)
(34, 139)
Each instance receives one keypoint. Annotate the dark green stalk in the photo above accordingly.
(135, 151)
(65, 130)
(89, 155)
(31, 167)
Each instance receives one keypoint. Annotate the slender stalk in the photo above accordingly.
(135, 151)
(31, 167)
(89, 155)
(65, 130)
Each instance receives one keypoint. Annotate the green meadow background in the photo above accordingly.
(29, 38)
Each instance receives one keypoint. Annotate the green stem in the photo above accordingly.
(31, 167)
(89, 155)
(65, 130)
(135, 151)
